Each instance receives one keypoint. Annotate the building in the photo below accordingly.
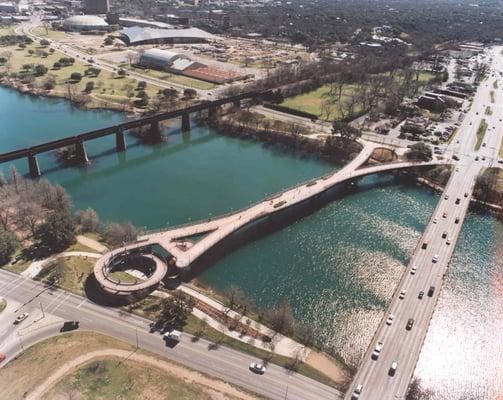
(165, 60)
(128, 22)
(97, 6)
(81, 23)
(137, 35)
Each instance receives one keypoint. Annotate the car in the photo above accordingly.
(458, 200)
(173, 336)
(483, 158)
(357, 392)
(457, 169)
(2, 357)
(456, 221)
(69, 326)
(444, 215)
(435, 220)
(390, 319)
(455, 157)
(420, 295)
(476, 158)
(377, 350)
(392, 368)
(410, 324)
(446, 197)
(431, 291)
(257, 368)
(402, 294)
(424, 245)
(413, 270)
(484, 144)
(448, 241)
(466, 194)
(20, 318)
(435, 258)
(444, 235)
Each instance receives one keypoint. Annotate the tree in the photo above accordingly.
(8, 245)
(40, 70)
(49, 84)
(56, 65)
(117, 234)
(88, 220)
(28, 215)
(76, 76)
(189, 93)
(175, 310)
(108, 41)
(57, 232)
(419, 151)
(45, 42)
(281, 318)
(89, 86)
(345, 130)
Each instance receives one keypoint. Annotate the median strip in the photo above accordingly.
(481, 133)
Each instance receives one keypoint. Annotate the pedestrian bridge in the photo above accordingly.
(175, 240)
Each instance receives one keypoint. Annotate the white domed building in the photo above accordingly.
(85, 23)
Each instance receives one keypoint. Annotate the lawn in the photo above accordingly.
(7, 30)
(312, 102)
(48, 33)
(178, 79)
(109, 89)
(114, 378)
(71, 272)
(481, 133)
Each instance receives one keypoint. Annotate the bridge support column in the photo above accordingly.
(237, 103)
(120, 141)
(33, 165)
(81, 153)
(212, 113)
(154, 133)
(185, 122)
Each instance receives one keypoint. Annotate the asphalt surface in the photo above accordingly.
(26, 295)
(404, 345)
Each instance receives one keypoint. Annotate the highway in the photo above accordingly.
(24, 294)
(438, 240)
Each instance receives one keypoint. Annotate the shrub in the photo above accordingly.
(88, 220)
(89, 86)
(45, 42)
(40, 70)
(56, 65)
(49, 84)
(8, 245)
(57, 232)
(76, 76)
(142, 85)
(121, 72)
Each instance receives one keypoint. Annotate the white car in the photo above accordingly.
(435, 258)
(435, 220)
(446, 197)
(402, 294)
(390, 319)
(357, 392)
(448, 241)
(394, 366)
(257, 368)
(377, 350)
(413, 270)
(21, 318)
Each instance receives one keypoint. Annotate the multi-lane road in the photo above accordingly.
(429, 262)
(26, 295)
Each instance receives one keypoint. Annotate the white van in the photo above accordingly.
(173, 335)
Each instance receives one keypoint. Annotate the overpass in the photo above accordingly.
(184, 252)
(154, 132)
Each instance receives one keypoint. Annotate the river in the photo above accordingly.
(338, 265)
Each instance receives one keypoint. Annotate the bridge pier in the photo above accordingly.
(81, 153)
(185, 122)
(212, 113)
(120, 141)
(33, 166)
(237, 103)
(154, 133)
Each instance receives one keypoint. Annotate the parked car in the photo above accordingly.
(257, 368)
(20, 318)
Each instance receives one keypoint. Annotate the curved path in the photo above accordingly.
(221, 227)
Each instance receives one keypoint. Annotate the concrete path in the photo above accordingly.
(36, 266)
(92, 244)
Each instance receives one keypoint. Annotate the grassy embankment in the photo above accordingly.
(312, 102)
(3, 304)
(49, 33)
(110, 90)
(110, 379)
(481, 133)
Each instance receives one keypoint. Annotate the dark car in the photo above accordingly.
(431, 291)
(421, 294)
(444, 235)
(410, 323)
(456, 220)
(69, 326)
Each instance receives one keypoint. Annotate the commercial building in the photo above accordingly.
(137, 35)
(81, 23)
(97, 6)
(165, 60)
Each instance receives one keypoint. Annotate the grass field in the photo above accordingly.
(112, 378)
(7, 30)
(312, 102)
(48, 33)
(109, 88)
(481, 133)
